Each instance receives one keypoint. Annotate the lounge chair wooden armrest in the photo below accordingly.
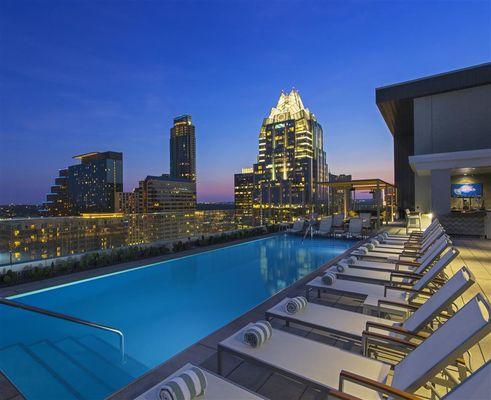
(395, 329)
(385, 341)
(336, 394)
(375, 385)
(405, 288)
(408, 263)
(412, 245)
(411, 307)
(412, 254)
(405, 274)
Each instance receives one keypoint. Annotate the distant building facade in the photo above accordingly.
(336, 196)
(243, 198)
(88, 187)
(166, 194)
(183, 149)
(290, 163)
(126, 202)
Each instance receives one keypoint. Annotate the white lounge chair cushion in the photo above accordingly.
(357, 288)
(216, 389)
(382, 265)
(314, 361)
(335, 319)
(366, 273)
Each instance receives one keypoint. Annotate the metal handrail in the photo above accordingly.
(69, 318)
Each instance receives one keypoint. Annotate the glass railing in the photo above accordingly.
(32, 239)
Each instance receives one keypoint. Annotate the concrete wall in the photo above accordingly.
(440, 191)
(453, 121)
(422, 192)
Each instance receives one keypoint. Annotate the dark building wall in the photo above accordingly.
(453, 121)
(403, 149)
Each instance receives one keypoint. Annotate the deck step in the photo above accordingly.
(111, 373)
(29, 374)
(81, 379)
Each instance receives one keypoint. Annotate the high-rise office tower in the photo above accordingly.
(88, 187)
(290, 163)
(183, 149)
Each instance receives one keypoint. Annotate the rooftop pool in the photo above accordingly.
(161, 308)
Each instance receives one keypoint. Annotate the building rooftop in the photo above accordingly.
(395, 101)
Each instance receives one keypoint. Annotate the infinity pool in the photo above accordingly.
(161, 309)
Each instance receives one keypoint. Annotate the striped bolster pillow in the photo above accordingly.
(258, 333)
(340, 266)
(352, 260)
(295, 305)
(346, 262)
(362, 249)
(186, 386)
(375, 242)
(329, 277)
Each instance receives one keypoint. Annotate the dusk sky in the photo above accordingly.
(80, 76)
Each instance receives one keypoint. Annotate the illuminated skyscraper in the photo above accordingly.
(291, 161)
(183, 149)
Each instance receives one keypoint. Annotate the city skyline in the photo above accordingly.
(84, 77)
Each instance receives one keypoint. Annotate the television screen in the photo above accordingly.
(467, 190)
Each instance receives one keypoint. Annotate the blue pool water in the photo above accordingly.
(161, 308)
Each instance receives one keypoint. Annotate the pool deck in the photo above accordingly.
(474, 253)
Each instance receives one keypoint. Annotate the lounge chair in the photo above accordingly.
(403, 264)
(414, 236)
(338, 224)
(298, 227)
(411, 246)
(325, 226)
(402, 257)
(413, 266)
(350, 325)
(476, 387)
(367, 220)
(217, 388)
(320, 365)
(373, 294)
(361, 274)
(355, 228)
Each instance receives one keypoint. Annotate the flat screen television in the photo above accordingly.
(466, 190)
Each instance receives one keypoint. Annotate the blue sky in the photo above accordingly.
(79, 76)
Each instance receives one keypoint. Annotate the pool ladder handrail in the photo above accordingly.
(65, 317)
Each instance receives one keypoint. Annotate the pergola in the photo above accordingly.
(375, 185)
